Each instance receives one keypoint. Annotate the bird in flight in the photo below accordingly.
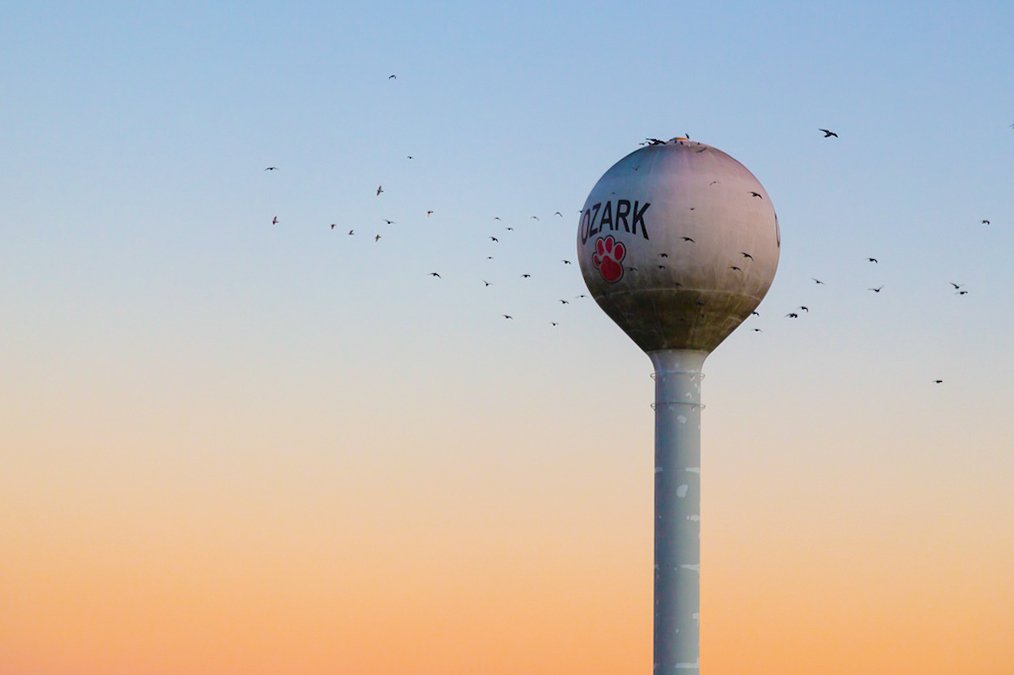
(389, 222)
(713, 183)
(756, 194)
(509, 228)
(581, 296)
(489, 257)
(653, 141)
(817, 281)
(392, 77)
(558, 214)
(380, 188)
(507, 316)
(756, 330)
(494, 239)
(429, 213)
(274, 221)
(564, 302)
(496, 217)
(661, 267)
(566, 262)
(554, 323)
(434, 274)
(957, 287)
(526, 276)
(828, 133)
(351, 232)
(804, 308)
(271, 168)
(962, 292)
(376, 239)
(409, 156)
(754, 313)
(792, 315)
(873, 260)
(734, 268)
(985, 221)
(333, 226)
(690, 239)
(535, 217)
(486, 282)
(746, 255)
(877, 289)
(663, 255)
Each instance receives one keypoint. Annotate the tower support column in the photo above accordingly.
(677, 594)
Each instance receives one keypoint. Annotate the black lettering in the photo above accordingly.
(622, 209)
(585, 225)
(595, 213)
(607, 217)
(639, 217)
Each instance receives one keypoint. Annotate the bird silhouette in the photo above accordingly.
(746, 255)
(496, 217)
(389, 222)
(494, 239)
(817, 281)
(509, 228)
(754, 313)
(376, 239)
(486, 282)
(804, 308)
(653, 141)
(714, 182)
(828, 133)
(534, 217)
(957, 287)
(434, 274)
(661, 267)
(554, 323)
(558, 214)
(877, 289)
(351, 232)
(564, 302)
(409, 157)
(392, 77)
(508, 316)
(663, 255)
(756, 194)
(938, 381)
(690, 239)
(962, 292)
(756, 330)
(581, 296)
(429, 213)
(526, 276)
(792, 315)
(566, 262)
(271, 168)
(333, 226)
(873, 260)
(985, 221)
(274, 221)
(380, 188)
(734, 268)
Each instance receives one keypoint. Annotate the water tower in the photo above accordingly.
(678, 243)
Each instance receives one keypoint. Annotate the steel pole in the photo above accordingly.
(677, 511)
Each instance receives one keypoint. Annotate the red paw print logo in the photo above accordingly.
(609, 253)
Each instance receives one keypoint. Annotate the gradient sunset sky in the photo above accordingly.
(228, 446)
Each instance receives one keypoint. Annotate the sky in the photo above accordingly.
(228, 446)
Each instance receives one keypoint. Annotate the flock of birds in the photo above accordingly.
(958, 289)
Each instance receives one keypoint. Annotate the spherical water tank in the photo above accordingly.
(678, 243)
